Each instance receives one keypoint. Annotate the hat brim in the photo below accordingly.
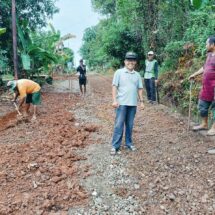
(129, 58)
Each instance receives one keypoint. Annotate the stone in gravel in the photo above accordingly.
(106, 208)
(56, 179)
(163, 207)
(211, 151)
(137, 186)
(33, 166)
(98, 200)
(94, 193)
(35, 184)
(172, 197)
(204, 198)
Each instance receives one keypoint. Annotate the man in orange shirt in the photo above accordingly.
(28, 91)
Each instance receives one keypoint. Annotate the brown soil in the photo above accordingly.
(172, 167)
(38, 160)
(40, 170)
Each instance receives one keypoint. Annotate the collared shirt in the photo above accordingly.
(127, 83)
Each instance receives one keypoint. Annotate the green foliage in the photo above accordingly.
(196, 3)
(2, 30)
(106, 7)
(35, 12)
(175, 30)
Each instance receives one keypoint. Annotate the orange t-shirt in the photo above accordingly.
(26, 86)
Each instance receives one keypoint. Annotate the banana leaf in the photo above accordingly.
(26, 61)
(2, 30)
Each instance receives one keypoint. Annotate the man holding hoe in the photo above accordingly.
(126, 88)
(206, 96)
(28, 91)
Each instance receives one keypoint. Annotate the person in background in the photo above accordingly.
(126, 88)
(82, 77)
(206, 96)
(28, 92)
(151, 77)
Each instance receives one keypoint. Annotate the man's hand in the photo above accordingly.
(156, 83)
(142, 106)
(115, 104)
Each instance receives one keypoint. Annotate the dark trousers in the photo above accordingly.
(150, 89)
(204, 107)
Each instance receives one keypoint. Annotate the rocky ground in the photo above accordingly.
(61, 164)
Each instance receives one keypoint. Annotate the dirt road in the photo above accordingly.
(61, 164)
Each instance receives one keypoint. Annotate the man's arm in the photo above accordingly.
(15, 96)
(140, 94)
(156, 70)
(199, 72)
(21, 102)
(114, 94)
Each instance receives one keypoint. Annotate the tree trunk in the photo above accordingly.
(15, 58)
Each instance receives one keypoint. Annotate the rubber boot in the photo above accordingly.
(211, 132)
(202, 126)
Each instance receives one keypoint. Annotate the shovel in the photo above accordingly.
(190, 105)
(17, 109)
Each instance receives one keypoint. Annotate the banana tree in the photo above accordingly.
(3, 58)
(34, 57)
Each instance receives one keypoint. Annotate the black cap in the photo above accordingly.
(131, 56)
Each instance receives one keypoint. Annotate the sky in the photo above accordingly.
(74, 17)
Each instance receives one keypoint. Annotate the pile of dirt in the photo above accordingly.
(39, 173)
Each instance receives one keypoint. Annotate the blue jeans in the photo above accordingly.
(124, 116)
(150, 89)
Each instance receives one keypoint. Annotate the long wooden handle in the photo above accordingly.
(190, 105)
(17, 109)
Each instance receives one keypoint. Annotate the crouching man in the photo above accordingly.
(28, 92)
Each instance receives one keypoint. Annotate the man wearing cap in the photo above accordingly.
(126, 88)
(28, 91)
(82, 77)
(151, 77)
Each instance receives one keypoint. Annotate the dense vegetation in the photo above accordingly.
(175, 30)
(40, 47)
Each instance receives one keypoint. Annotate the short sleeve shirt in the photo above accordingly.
(26, 86)
(82, 71)
(127, 83)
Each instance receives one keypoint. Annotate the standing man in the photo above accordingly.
(127, 87)
(82, 77)
(28, 91)
(206, 96)
(151, 77)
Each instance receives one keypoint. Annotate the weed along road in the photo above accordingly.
(61, 163)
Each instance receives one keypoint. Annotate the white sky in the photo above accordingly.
(74, 17)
